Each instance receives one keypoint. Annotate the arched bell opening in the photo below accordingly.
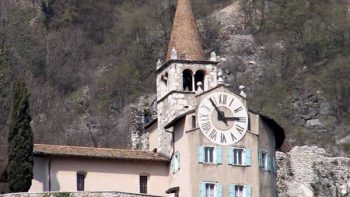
(187, 80)
(199, 77)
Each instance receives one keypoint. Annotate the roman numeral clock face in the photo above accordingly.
(222, 118)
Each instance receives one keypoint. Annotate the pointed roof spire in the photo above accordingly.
(184, 35)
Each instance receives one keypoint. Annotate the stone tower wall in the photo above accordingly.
(171, 105)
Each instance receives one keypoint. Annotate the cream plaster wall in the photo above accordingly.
(182, 177)
(40, 175)
(152, 137)
(108, 175)
(267, 143)
(188, 141)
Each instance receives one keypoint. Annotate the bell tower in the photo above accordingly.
(185, 74)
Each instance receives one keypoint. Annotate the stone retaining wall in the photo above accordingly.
(77, 194)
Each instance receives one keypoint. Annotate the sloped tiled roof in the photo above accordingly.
(91, 152)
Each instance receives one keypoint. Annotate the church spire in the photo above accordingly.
(184, 35)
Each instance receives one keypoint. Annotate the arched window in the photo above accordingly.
(165, 78)
(199, 77)
(187, 80)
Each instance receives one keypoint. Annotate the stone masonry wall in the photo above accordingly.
(177, 102)
(77, 194)
(308, 171)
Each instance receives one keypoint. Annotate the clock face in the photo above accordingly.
(222, 118)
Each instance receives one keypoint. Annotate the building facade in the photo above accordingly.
(205, 141)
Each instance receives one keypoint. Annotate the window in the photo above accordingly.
(264, 160)
(175, 163)
(239, 157)
(143, 184)
(193, 121)
(187, 80)
(80, 181)
(240, 190)
(209, 154)
(199, 77)
(209, 189)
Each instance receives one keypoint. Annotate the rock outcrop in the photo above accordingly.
(307, 171)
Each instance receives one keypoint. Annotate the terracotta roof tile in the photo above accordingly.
(91, 152)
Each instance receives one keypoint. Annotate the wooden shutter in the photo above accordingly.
(260, 158)
(231, 190)
(218, 190)
(200, 154)
(218, 155)
(247, 155)
(202, 189)
(248, 191)
(268, 162)
(230, 156)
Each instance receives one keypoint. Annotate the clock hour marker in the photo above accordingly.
(231, 102)
(204, 117)
(205, 107)
(233, 137)
(238, 109)
(206, 126)
(222, 99)
(213, 134)
(223, 138)
(239, 129)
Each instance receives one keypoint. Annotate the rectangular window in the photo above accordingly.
(209, 154)
(143, 184)
(239, 191)
(238, 156)
(80, 181)
(175, 163)
(209, 190)
(193, 122)
(264, 160)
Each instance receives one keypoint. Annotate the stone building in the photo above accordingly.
(205, 141)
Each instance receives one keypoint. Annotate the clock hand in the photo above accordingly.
(232, 118)
(220, 113)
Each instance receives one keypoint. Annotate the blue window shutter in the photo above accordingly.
(268, 162)
(274, 165)
(200, 154)
(231, 190)
(218, 155)
(248, 191)
(260, 159)
(202, 189)
(218, 190)
(172, 165)
(247, 157)
(230, 156)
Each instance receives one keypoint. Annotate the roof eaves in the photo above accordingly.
(178, 118)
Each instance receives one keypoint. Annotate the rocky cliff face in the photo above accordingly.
(308, 171)
(304, 102)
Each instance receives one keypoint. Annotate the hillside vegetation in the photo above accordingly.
(84, 61)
